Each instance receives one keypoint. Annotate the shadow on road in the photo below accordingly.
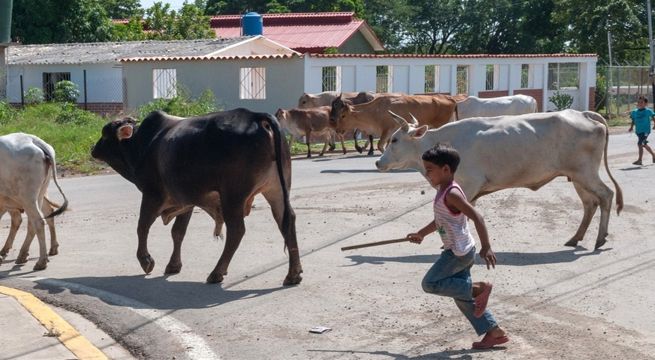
(156, 292)
(504, 258)
(352, 171)
(462, 354)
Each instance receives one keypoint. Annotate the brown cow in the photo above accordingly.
(305, 122)
(374, 118)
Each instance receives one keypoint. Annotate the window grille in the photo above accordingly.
(252, 83)
(383, 79)
(526, 76)
(563, 76)
(331, 78)
(462, 79)
(431, 78)
(489, 85)
(164, 83)
(49, 82)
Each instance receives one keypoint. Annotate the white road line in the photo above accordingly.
(197, 347)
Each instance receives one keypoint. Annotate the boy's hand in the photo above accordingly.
(630, 129)
(415, 238)
(489, 257)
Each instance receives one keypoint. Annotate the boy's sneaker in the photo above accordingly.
(638, 162)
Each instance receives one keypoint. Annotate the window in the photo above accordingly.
(49, 82)
(331, 78)
(563, 76)
(431, 78)
(164, 83)
(383, 79)
(252, 83)
(489, 85)
(526, 76)
(462, 79)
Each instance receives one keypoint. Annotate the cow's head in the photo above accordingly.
(340, 109)
(110, 148)
(404, 149)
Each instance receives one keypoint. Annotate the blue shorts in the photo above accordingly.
(642, 138)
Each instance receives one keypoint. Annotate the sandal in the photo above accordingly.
(489, 341)
(481, 300)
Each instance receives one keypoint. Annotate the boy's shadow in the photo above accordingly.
(504, 258)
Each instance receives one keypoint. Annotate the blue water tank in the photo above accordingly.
(252, 24)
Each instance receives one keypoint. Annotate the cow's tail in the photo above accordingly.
(619, 193)
(277, 139)
(50, 160)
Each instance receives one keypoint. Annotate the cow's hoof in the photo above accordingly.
(321, 154)
(22, 258)
(359, 149)
(572, 243)
(41, 265)
(53, 251)
(4, 252)
(173, 269)
(147, 263)
(214, 278)
(292, 279)
(599, 243)
(370, 153)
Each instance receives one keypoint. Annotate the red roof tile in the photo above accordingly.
(303, 32)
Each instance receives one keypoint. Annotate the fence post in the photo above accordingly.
(85, 100)
(22, 93)
(607, 91)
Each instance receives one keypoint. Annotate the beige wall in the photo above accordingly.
(284, 81)
(356, 44)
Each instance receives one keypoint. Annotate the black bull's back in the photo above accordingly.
(218, 162)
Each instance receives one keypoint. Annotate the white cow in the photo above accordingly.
(519, 151)
(27, 164)
(47, 207)
(473, 106)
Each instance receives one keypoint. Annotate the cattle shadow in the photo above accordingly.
(462, 354)
(151, 292)
(503, 258)
(636, 167)
(353, 171)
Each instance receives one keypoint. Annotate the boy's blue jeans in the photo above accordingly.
(451, 276)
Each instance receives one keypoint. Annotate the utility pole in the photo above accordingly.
(650, 46)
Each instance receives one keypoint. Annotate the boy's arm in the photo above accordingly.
(632, 123)
(456, 200)
(417, 237)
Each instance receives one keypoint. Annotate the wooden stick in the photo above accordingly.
(376, 243)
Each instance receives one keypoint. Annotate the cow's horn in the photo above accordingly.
(402, 122)
(414, 121)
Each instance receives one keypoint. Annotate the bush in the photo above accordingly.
(34, 95)
(66, 91)
(71, 114)
(561, 101)
(181, 105)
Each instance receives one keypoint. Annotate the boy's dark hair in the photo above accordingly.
(442, 155)
(641, 97)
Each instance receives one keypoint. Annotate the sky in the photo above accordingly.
(175, 4)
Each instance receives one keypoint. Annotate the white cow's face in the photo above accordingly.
(404, 150)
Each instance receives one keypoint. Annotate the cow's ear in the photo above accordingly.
(125, 132)
(420, 131)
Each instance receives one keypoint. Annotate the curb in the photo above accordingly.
(67, 335)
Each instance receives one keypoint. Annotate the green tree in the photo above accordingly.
(432, 25)
(191, 23)
(132, 31)
(122, 9)
(50, 21)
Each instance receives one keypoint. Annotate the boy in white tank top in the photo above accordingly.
(450, 275)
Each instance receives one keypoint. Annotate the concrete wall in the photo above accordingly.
(103, 81)
(284, 81)
(408, 75)
(356, 44)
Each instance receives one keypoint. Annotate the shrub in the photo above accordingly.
(34, 95)
(71, 114)
(181, 105)
(561, 101)
(66, 91)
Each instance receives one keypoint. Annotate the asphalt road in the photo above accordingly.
(554, 301)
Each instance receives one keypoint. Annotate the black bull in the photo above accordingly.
(217, 162)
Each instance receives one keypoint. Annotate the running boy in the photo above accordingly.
(450, 276)
(641, 117)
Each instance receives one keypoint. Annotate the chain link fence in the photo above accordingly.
(619, 86)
